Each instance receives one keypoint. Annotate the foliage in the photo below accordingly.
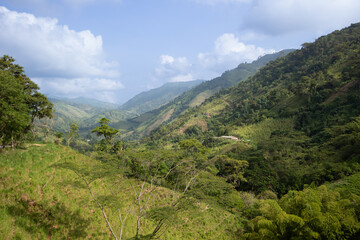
(314, 213)
(143, 124)
(231, 169)
(58, 136)
(74, 129)
(107, 144)
(85, 113)
(20, 102)
(248, 163)
(42, 197)
(296, 119)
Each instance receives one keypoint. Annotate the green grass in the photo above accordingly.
(42, 198)
(262, 131)
(201, 97)
(34, 201)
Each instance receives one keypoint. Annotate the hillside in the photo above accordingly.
(85, 112)
(275, 157)
(299, 117)
(155, 98)
(143, 124)
(52, 192)
(42, 196)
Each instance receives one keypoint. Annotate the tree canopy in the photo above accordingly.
(20, 102)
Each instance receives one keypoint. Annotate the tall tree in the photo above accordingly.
(20, 102)
(108, 133)
(74, 132)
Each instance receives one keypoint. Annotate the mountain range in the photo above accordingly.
(148, 110)
(155, 98)
(146, 122)
(274, 155)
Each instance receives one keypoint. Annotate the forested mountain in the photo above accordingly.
(150, 120)
(155, 98)
(299, 116)
(275, 157)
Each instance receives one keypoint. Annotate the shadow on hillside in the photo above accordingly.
(51, 219)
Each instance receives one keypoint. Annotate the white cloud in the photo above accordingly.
(50, 51)
(228, 52)
(166, 59)
(100, 88)
(284, 16)
(182, 78)
(172, 69)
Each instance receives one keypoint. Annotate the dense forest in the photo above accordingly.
(275, 157)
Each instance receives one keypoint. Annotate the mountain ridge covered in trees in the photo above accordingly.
(294, 109)
(148, 121)
(275, 157)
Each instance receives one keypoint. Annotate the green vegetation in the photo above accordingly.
(42, 196)
(146, 122)
(85, 113)
(20, 104)
(275, 157)
(297, 118)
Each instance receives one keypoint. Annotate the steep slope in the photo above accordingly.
(149, 121)
(297, 119)
(155, 98)
(322, 74)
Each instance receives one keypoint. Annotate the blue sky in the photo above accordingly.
(113, 49)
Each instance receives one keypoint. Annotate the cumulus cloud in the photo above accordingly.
(284, 16)
(99, 88)
(55, 53)
(166, 59)
(228, 52)
(173, 69)
(182, 78)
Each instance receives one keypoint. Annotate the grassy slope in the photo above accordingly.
(40, 199)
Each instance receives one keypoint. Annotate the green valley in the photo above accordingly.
(268, 150)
